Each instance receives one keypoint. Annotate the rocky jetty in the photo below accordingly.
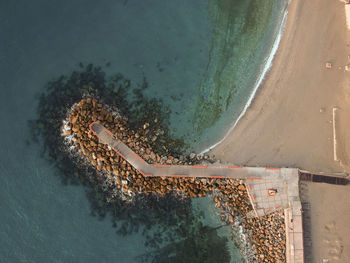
(120, 173)
(161, 220)
(265, 236)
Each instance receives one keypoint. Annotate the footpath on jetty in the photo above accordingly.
(269, 189)
(208, 171)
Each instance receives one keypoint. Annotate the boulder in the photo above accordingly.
(231, 219)
(241, 187)
(117, 180)
(74, 119)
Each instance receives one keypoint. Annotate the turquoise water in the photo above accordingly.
(201, 58)
(241, 39)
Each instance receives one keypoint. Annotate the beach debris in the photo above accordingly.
(322, 110)
(347, 67)
(328, 65)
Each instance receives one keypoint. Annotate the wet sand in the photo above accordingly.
(289, 123)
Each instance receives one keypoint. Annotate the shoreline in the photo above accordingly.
(268, 63)
(290, 98)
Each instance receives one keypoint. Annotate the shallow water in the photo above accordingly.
(172, 43)
(207, 99)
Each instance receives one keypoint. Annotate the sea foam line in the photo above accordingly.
(267, 67)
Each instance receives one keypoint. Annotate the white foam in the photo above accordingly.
(262, 75)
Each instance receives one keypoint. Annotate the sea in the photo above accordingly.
(204, 59)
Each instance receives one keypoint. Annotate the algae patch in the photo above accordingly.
(240, 28)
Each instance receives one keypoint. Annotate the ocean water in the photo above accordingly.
(201, 57)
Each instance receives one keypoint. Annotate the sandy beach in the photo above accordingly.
(289, 123)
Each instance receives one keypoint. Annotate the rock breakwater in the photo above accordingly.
(265, 235)
(121, 175)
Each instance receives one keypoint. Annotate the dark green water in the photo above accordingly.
(202, 58)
